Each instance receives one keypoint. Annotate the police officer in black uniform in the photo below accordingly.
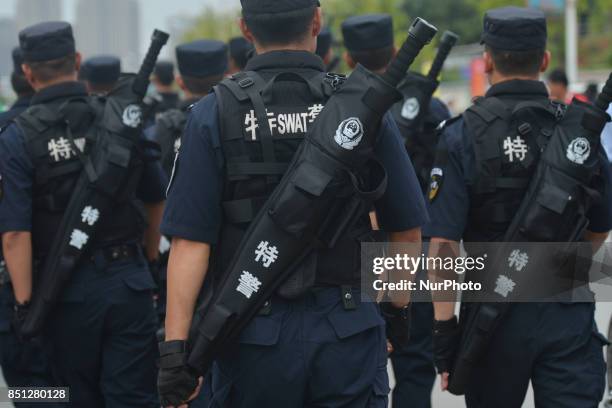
(325, 50)
(164, 97)
(555, 346)
(102, 73)
(22, 89)
(318, 345)
(369, 40)
(101, 334)
(201, 65)
(22, 364)
(240, 51)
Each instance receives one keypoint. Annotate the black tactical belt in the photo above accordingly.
(115, 253)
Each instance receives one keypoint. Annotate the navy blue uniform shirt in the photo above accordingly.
(17, 171)
(193, 209)
(449, 210)
(19, 106)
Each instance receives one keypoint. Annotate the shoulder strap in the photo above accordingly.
(174, 119)
(252, 85)
(490, 109)
(39, 118)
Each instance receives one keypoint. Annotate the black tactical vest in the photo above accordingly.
(417, 124)
(257, 156)
(507, 138)
(56, 136)
(168, 131)
(421, 146)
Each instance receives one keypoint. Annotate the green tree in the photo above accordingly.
(212, 24)
(459, 16)
(464, 17)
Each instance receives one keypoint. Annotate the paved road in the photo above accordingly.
(445, 400)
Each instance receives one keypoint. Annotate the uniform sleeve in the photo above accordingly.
(402, 207)
(153, 184)
(600, 215)
(16, 178)
(193, 207)
(439, 110)
(154, 181)
(448, 196)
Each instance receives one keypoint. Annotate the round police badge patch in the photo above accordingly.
(349, 133)
(132, 116)
(579, 150)
(437, 176)
(411, 108)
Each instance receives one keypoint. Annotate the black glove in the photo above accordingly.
(20, 311)
(446, 338)
(398, 324)
(176, 381)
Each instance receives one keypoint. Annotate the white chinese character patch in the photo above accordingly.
(518, 260)
(266, 253)
(504, 285)
(248, 284)
(78, 239)
(282, 124)
(251, 123)
(515, 149)
(60, 149)
(313, 112)
(90, 215)
(80, 143)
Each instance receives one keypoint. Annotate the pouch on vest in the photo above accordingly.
(566, 183)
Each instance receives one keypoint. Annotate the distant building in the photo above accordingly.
(109, 27)
(8, 40)
(30, 12)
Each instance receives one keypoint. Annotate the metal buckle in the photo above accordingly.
(266, 309)
(335, 80)
(348, 299)
(245, 83)
(524, 129)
